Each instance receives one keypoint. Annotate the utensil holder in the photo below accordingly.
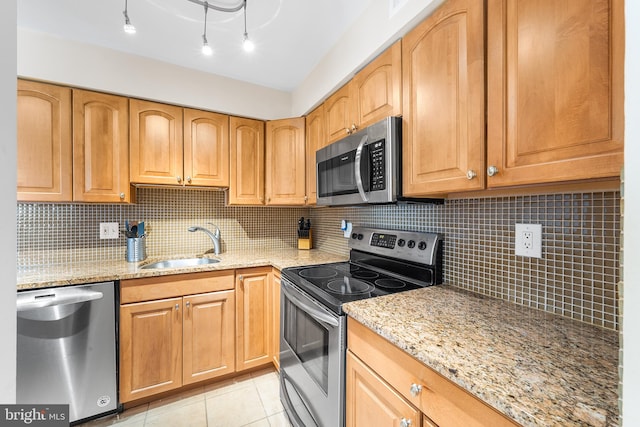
(136, 249)
(306, 241)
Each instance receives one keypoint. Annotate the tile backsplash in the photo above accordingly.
(576, 276)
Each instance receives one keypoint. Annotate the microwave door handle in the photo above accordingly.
(364, 196)
(308, 308)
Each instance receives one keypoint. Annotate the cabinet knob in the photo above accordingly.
(354, 127)
(348, 131)
(405, 422)
(188, 304)
(179, 178)
(415, 389)
(189, 179)
(492, 170)
(240, 278)
(471, 174)
(177, 306)
(121, 196)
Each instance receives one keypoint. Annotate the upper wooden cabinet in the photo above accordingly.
(156, 143)
(444, 114)
(555, 90)
(285, 162)
(44, 159)
(100, 147)
(246, 183)
(206, 148)
(374, 93)
(316, 139)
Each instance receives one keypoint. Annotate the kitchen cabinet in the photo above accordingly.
(371, 401)
(402, 387)
(247, 146)
(155, 143)
(253, 317)
(175, 330)
(206, 148)
(274, 310)
(554, 90)
(444, 104)
(44, 149)
(285, 162)
(374, 93)
(315, 140)
(100, 147)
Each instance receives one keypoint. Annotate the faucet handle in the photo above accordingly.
(217, 230)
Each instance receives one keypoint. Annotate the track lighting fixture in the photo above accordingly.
(247, 43)
(128, 26)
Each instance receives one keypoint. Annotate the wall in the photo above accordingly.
(631, 302)
(576, 277)
(56, 234)
(8, 196)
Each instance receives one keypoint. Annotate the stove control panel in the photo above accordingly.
(413, 246)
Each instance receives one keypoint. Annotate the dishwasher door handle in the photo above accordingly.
(58, 296)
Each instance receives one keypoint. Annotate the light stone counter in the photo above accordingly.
(78, 273)
(538, 368)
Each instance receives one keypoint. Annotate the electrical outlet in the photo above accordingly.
(109, 230)
(529, 240)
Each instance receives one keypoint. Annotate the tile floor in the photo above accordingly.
(250, 400)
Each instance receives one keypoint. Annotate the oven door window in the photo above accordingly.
(337, 176)
(309, 340)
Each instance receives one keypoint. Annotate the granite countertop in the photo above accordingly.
(91, 272)
(538, 368)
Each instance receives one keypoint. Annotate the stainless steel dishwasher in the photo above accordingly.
(67, 349)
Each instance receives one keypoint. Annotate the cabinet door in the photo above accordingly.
(376, 91)
(100, 147)
(246, 183)
(150, 348)
(337, 113)
(444, 114)
(252, 318)
(44, 168)
(156, 143)
(274, 310)
(371, 401)
(208, 336)
(206, 148)
(316, 140)
(285, 162)
(555, 90)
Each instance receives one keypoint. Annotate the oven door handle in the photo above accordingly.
(312, 311)
(358, 161)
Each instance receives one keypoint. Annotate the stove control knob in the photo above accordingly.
(360, 236)
(411, 244)
(401, 242)
(354, 236)
(422, 246)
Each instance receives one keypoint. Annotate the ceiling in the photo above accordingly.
(291, 36)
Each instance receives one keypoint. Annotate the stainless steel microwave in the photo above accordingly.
(363, 167)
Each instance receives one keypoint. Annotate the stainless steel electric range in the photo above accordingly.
(313, 324)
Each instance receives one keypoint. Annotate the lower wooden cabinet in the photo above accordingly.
(386, 385)
(373, 402)
(253, 340)
(175, 330)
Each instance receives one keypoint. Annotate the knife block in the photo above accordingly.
(306, 242)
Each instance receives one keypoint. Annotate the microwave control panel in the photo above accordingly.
(376, 154)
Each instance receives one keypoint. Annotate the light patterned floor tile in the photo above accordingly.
(279, 420)
(192, 415)
(236, 408)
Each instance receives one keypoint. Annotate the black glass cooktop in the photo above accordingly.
(337, 283)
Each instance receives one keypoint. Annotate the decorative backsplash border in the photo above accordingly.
(576, 277)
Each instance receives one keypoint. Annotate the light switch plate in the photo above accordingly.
(109, 230)
(529, 240)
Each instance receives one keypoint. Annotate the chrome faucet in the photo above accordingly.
(215, 236)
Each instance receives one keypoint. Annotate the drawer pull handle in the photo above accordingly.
(405, 422)
(415, 389)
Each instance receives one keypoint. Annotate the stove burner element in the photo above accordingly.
(364, 274)
(347, 286)
(318, 273)
(390, 283)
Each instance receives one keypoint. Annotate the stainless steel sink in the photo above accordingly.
(180, 263)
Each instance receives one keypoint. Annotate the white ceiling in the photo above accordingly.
(291, 36)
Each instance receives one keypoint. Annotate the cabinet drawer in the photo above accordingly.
(440, 399)
(176, 285)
